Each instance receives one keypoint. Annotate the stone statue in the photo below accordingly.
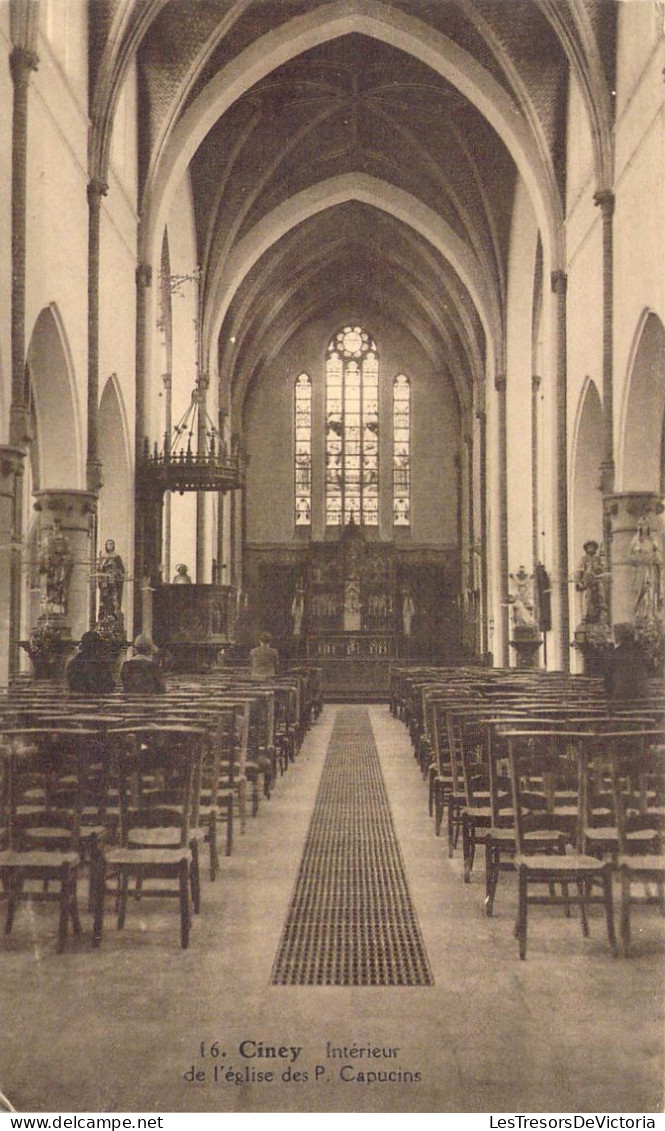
(297, 611)
(521, 599)
(56, 562)
(645, 554)
(591, 582)
(110, 580)
(408, 611)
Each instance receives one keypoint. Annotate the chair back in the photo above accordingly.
(159, 776)
(637, 768)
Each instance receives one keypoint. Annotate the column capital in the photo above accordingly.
(94, 480)
(479, 389)
(625, 508)
(559, 281)
(96, 188)
(20, 428)
(605, 200)
(11, 464)
(73, 507)
(143, 275)
(21, 62)
(607, 473)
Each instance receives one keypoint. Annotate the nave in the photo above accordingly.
(119, 1028)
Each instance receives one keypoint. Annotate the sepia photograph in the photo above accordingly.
(332, 590)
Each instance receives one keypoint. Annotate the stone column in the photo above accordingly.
(622, 513)
(143, 281)
(535, 516)
(76, 512)
(11, 482)
(22, 61)
(167, 381)
(500, 386)
(96, 190)
(605, 201)
(201, 444)
(482, 456)
(560, 287)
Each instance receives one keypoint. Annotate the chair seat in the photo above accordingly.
(611, 835)
(38, 859)
(564, 865)
(651, 864)
(154, 838)
(484, 812)
(157, 857)
(48, 833)
(478, 812)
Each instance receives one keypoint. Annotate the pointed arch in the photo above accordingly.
(641, 429)
(587, 454)
(116, 495)
(56, 408)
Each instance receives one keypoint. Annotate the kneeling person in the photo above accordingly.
(141, 674)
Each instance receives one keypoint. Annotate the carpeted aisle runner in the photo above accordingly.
(351, 921)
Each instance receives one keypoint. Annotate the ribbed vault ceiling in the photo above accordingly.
(354, 108)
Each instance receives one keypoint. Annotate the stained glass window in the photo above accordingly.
(401, 451)
(303, 450)
(352, 429)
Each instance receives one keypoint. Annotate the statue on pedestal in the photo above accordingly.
(408, 611)
(591, 582)
(521, 599)
(593, 636)
(110, 580)
(56, 562)
(297, 611)
(647, 558)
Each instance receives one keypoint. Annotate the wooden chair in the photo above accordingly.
(553, 759)
(155, 823)
(42, 840)
(638, 782)
(222, 786)
(500, 847)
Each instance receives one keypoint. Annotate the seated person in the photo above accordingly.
(141, 674)
(263, 659)
(626, 675)
(182, 575)
(90, 671)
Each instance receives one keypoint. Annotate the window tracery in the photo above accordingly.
(401, 451)
(303, 450)
(352, 429)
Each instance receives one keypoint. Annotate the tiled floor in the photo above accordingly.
(123, 1028)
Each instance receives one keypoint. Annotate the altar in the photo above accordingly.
(354, 605)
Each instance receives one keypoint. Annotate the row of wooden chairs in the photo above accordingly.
(464, 726)
(132, 790)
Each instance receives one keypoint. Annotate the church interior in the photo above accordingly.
(333, 341)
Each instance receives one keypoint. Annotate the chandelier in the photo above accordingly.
(194, 456)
